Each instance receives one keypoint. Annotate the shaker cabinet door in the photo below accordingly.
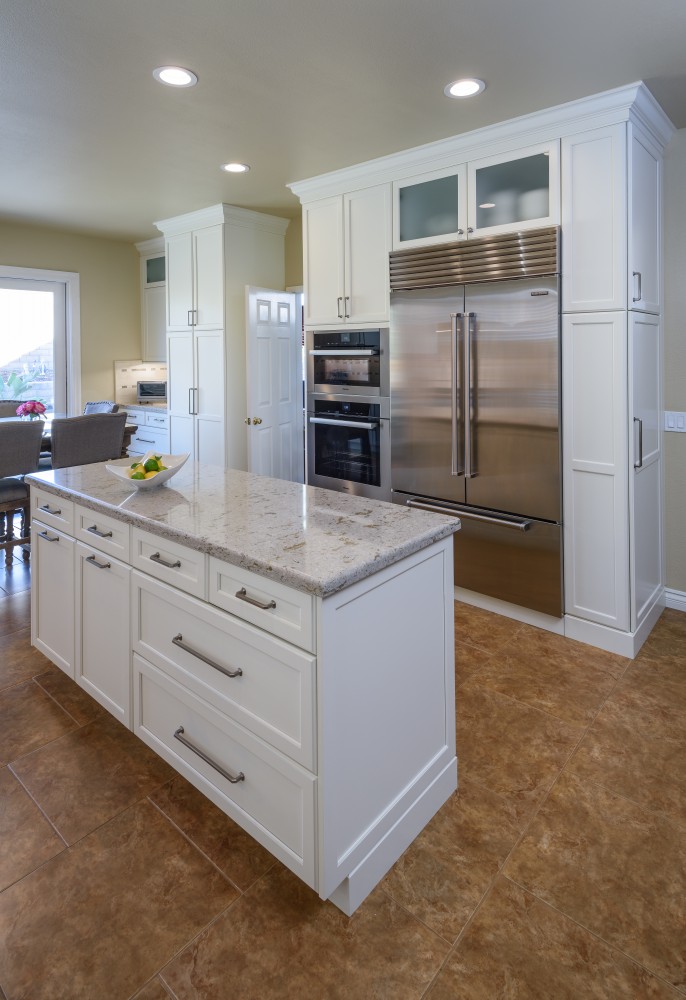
(323, 261)
(644, 224)
(179, 281)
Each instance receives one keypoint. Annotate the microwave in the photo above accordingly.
(151, 392)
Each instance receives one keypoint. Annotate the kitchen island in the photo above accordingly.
(288, 649)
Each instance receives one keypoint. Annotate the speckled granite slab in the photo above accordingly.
(315, 540)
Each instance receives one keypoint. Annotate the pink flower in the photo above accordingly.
(31, 408)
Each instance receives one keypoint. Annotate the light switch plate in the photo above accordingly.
(675, 421)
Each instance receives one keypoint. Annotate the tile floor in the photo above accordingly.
(557, 870)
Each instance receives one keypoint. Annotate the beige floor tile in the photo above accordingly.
(86, 778)
(231, 849)
(444, 873)
(29, 718)
(567, 679)
(468, 661)
(19, 661)
(99, 920)
(26, 838)
(615, 867)
(154, 990)
(510, 748)
(483, 629)
(518, 947)
(281, 941)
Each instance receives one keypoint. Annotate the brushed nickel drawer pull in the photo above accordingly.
(47, 537)
(46, 508)
(178, 641)
(144, 440)
(156, 557)
(99, 565)
(229, 775)
(242, 595)
(101, 534)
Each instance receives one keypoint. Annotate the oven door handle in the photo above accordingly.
(363, 426)
(345, 354)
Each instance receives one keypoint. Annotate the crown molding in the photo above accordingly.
(155, 245)
(622, 104)
(218, 214)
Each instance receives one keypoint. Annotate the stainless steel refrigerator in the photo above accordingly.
(475, 413)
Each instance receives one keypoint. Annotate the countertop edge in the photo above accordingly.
(289, 577)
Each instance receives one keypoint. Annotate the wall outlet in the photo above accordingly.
(675, 421)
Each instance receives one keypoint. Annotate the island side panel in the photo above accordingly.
(386, 717)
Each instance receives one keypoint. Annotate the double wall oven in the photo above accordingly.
(348, 410)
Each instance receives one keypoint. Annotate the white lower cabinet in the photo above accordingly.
(103, 634)
(52, 594)
(325, 727)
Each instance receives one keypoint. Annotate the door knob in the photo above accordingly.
(247, 420)
(257, 420)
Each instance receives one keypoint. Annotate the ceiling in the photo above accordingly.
(89, 142)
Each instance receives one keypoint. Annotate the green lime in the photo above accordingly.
(138, 475)
(151, 465)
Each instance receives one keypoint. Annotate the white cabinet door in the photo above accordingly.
(208, 276)
(367, 236)
(519, 190)
(154, 323)
(52, 595)
(180, 397)
(179, 251)
(595, 467)
(323, 261)
(593, 166)
(430, 208)
(644, 223)
(646, 477)
(103, 631)
(208, 349)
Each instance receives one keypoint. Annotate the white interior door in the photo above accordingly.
(274, 385)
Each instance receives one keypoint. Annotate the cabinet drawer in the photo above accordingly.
(176, 564)
(158, 420)
(287, 613)
(53, 510)
(273, 801)
(102, 532)
(272, 690)
(149, 439)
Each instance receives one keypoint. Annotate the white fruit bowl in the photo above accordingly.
(122, 470)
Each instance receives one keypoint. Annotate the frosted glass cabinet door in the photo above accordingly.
(518, 191)
(430, 208)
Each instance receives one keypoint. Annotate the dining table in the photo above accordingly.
(46, 440)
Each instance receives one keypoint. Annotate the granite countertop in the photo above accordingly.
(318, 541)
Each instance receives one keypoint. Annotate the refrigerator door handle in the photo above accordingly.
(456, 385)
(469, 449)
(519, 523)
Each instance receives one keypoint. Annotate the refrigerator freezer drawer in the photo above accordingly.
(520, 566)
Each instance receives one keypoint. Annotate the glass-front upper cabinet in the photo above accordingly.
(517, 191)
(430, 208)
(155, 270)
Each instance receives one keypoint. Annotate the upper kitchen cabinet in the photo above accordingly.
(212, 255)
(611, 210)
(517, 190)
(153, 300)
(346, 240)
(430, 208)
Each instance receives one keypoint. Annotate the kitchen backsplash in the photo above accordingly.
(128, 373)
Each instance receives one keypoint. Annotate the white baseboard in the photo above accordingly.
(537, 618)
(675, 599)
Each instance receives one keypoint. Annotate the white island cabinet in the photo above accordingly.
(289, 651)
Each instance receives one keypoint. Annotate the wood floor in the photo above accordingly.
(558, 870)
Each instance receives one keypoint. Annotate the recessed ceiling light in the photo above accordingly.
(235, 168)
(175, 76)
(464, 88)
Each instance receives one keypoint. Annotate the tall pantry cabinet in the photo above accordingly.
(611, 367)
(211, 256)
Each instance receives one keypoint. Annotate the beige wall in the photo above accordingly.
(294, 253)
(110, 294)
(675, 358)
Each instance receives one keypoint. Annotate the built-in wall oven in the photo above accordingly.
(343, 361)
(348, 445)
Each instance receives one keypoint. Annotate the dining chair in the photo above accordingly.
(95, 437)
(8, 407)
(102, 406)
(19, 450)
